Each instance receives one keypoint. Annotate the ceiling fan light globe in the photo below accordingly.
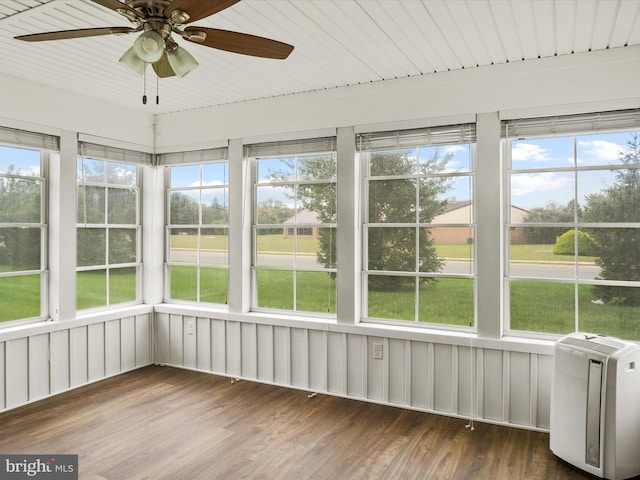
(149, 46)
(181, 61)
(131, 60)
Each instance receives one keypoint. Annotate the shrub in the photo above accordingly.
(565, 244)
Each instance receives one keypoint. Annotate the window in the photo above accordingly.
(574, 228)
(197, 232)
(108, 233)
(418, 225)
(294, 226)
(23, 234)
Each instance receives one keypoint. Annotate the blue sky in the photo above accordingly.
(26, 161)
(211, 175)
(537, 188)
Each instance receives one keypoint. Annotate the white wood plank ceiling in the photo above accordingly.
(337, 43)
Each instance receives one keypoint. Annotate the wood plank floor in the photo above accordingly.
(165, 423)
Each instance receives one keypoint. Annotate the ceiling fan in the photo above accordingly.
(157, 20)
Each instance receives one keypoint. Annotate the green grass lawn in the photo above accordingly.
(534, 306)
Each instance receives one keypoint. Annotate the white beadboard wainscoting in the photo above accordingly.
(498, 381)
(44, 359)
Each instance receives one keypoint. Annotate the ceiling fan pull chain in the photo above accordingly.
(157, 90)
(144, 87)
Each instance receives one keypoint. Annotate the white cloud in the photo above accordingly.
(528, 152)
(538, 183)
(599, 152)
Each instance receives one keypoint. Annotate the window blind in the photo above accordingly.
(441, 135)
(115, 154)
(290, 147)
(571, 124)
(23, 138)
(194, 156)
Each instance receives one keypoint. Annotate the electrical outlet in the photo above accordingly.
(377, 351)
(190, 327)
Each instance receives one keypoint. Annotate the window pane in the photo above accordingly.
(538, 260)
(123, 206)
(122, 245)
(543, 307)
(451, 199)
(316, 167)
(19, 161)
(274, 247)
(315, 292)
(91, 289)
(215, 206)
(609, 196)
(183, 245)
(456, 158)
(275, 289)
(451, 211)
(91, 246)
(392, 249)
(122, 285)
(392, 201)
(19, 297)
(393, 162)
(214, 248)
(184, 283)
(318, 202)
(214, 285)
(615, 253)
(184, 209)
(215, 174)
(121, 174)
(618, 315)
(282, 169)
(20, 249)
(20, 200)
(91, 204)
(274, 204)
(391, 297)
(446, 250)
(185, 176)
(604, 149)
(534, 191)
(447, 301)
(91, 171)
(545, 153)
(321, 249)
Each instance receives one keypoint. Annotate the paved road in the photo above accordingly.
(541, 270)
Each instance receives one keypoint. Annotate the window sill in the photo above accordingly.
(462, 339)
(48, 326)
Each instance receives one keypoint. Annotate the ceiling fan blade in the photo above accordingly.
(198, 9)
(162, 67)
(83, 32)
(243, 43)
(117, 5)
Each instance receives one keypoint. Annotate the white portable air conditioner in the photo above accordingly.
(595, 405)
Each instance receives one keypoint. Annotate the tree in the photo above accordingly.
(405, 193)
(618, 249)
(553, 212)
(20, 200)
(404, 199)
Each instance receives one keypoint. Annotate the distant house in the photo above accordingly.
(461, 213)
(305, 219)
